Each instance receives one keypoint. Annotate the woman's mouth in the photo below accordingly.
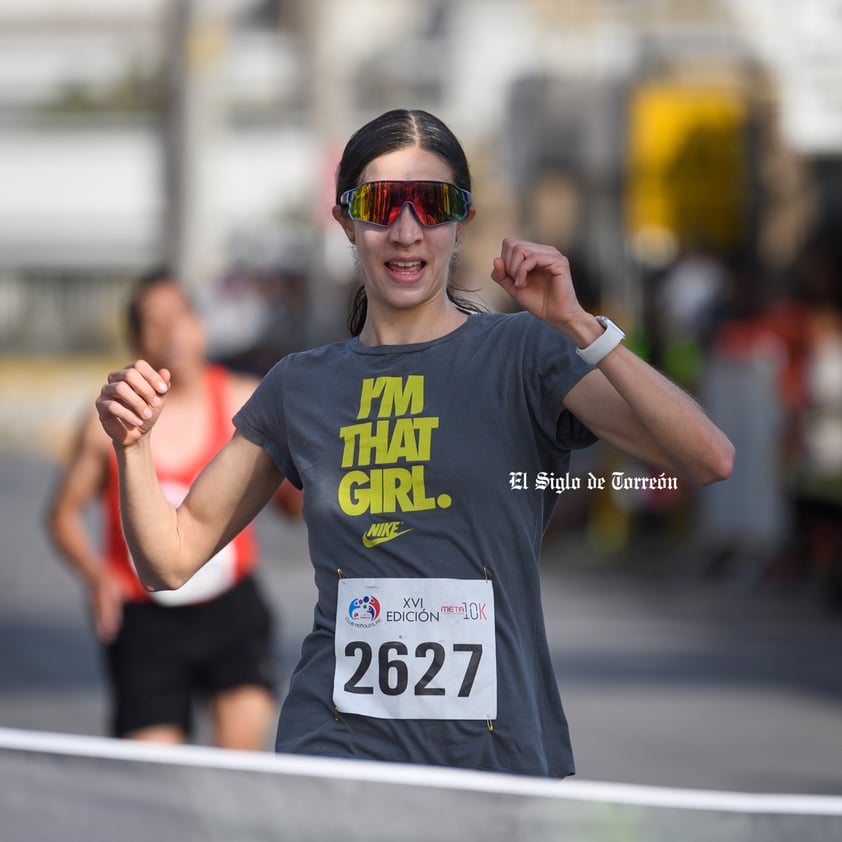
(405, 270)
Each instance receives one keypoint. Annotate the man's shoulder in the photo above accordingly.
(238, 385)
(239, 381)
(88, 441)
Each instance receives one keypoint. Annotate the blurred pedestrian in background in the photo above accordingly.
(815, 452)
(212, 638)
(774, 375)
(259, 311)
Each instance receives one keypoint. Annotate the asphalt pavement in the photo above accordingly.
(666, 679)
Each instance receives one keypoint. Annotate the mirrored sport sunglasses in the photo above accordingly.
(381, 202)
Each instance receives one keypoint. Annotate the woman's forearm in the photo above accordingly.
(150, 523)
(169, 545)
(690, 440)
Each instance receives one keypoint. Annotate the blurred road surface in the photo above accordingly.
(665, 681)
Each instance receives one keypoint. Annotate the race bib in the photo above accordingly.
(416, 649)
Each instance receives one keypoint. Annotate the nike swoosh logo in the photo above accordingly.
(382, 539)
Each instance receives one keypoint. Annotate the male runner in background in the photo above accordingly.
(212, 637)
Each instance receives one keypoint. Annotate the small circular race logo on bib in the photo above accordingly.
(364, 609)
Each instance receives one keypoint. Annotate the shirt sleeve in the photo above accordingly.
(551, 368)
(262, 420)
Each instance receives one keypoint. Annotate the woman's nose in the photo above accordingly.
(406, 227)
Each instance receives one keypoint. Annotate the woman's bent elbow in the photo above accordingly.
(720, 467)
(169, 581)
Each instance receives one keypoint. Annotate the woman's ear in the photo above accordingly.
(460, 226)
(345, 221)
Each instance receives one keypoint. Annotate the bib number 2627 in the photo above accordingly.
(394, 666)
(416, 649)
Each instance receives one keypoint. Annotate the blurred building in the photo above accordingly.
(140, 131)
(128, 131)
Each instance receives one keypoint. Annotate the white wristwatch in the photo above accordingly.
(602, 345)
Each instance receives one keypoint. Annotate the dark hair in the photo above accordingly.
(389, 132)
(158, 276)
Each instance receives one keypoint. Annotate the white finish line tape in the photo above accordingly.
(417, 775)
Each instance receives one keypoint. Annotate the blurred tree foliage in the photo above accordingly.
(139, 89)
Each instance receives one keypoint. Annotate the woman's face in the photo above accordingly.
(407, 264)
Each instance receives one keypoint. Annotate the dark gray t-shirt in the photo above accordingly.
(406, 455)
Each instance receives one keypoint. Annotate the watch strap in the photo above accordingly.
(604, 344)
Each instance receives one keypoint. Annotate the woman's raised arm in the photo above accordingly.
(168, 545)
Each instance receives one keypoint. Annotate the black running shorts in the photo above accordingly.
(165, 657)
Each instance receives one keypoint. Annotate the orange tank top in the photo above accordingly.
(226, 568)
